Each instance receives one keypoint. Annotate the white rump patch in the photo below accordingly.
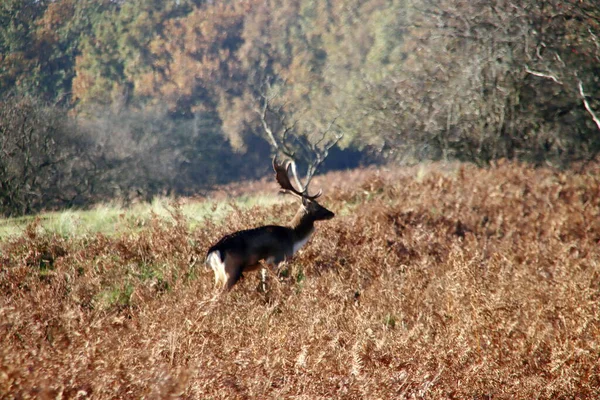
(214, 261)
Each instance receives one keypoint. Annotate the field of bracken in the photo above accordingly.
(430, 282)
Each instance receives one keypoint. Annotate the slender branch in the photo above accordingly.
(287, 140)
(287, 150)
(321, 156)
(542, 75)
(263, 119)
(594, 38)
(560, 60)
(326, 131)
(586, 104)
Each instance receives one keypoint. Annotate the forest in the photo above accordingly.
(130, 99)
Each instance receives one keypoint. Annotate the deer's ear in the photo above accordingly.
(305, 202)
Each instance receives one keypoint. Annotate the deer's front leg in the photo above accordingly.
(271, 262)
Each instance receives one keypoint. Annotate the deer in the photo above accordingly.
(243, 251)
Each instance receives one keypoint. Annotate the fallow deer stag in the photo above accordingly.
(242, 251)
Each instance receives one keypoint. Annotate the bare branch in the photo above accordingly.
(326, 131)
(542, 75)
(594, 38)
(586, 104)
(560, 60)
(321, 156)
(292, 140)
(262, 112)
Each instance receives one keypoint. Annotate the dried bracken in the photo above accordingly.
(439, 282)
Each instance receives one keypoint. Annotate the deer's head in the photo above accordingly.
(309, 203)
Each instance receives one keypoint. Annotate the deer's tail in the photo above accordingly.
(215, 261)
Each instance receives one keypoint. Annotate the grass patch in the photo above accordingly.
(113, 218)
(119, 296)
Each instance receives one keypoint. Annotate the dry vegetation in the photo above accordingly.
(455, 283)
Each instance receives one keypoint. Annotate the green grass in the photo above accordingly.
(115, 296)
(113, 218)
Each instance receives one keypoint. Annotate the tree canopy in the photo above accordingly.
(402, 79)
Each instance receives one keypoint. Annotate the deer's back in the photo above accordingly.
(257, 244)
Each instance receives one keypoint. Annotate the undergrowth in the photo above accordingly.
(456, 283)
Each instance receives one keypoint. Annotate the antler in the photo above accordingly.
(283, 178)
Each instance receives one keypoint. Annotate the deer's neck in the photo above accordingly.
(303, 226)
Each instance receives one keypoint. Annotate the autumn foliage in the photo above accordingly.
(166, 96)
(439, 282)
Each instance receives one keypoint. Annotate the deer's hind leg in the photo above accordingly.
(233, 270)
